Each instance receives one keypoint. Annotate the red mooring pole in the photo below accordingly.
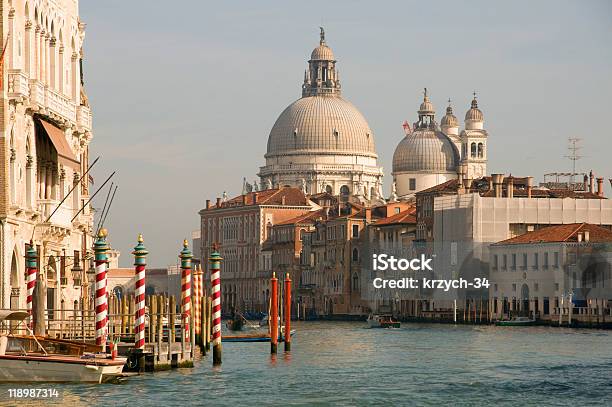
(273, 314)
(215, 276)
(287, 335)
(32, 270)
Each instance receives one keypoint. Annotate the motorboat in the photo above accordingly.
(382, 321)
(517, 321)
(32, 358)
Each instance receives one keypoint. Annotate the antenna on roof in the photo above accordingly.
(574, 148)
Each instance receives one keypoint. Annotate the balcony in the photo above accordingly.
(17, 84)
(60, 105)
(84, 118)
(62, 217)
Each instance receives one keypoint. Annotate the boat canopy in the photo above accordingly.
(8, 315)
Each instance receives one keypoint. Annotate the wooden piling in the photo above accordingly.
(287, 299)
(160, 327)
(171, 337)
(215, 276)
(273, 314)
(208, 322)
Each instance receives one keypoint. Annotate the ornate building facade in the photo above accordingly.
(432, 154)
(45, 131)
(321, 142)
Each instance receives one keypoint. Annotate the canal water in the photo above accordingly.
(343, 363)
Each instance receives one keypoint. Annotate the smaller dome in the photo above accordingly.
(449, 119)
(322, 53)
(425, 150)
(474, 114)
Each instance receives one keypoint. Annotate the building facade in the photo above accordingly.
(321, 142)
(45, 131)
(544, 273)
(241, 226)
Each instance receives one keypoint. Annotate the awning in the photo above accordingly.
(64, 152)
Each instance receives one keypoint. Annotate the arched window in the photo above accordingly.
(473, 150)
(355, 256)
(355, 282)
(344, 190)
(328, 189)
(480, 150)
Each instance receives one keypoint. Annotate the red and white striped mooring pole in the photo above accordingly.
(140, 263)
(186, 288)
(101, 300)
(215, 277)
(32, 271)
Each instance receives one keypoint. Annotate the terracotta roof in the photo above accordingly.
(481, 186)
(309, 218)
(404, 217)
(563, 233)
(292, 196)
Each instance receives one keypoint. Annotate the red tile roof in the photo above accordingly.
(563, 233)
(292, 197)
(307, 218)
(404, 217)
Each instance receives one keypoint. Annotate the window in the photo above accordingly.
(495, 287)
(480, 150)
(513, 287)
(355, 230)
(513, 261)
(545, 265)
(397, 210)
(536, 286)
(495, 260)
(344, 190)
(536, 260)
(355, 257)
(556, 260)
(524, 261)
(504, 262)
(473, 150)
(412, 184)
(556, 286)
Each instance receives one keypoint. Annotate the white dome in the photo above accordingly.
(321, 125)
(474, 114)
(322, 53)
(425, 150)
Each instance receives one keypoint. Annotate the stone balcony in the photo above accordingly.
(61, 218)
(47, 101)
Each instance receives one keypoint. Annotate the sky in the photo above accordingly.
(184, 94)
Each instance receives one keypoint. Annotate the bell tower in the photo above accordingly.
(474, 142)
(321, 77)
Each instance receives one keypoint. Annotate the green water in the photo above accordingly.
(337, 363)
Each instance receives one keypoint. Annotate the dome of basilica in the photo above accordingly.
(321, 125)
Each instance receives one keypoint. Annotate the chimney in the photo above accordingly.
(587, 236)
(579, 237)
(510, 188)
(218, 202)
(244, 199)
(591, 182)
(498, 180)
(529, 186)
(586, 182)
(368, 215)
(490, 183)
(467, 183)
(208, 204)
(254, 198)
(283, 200)
(600, 191)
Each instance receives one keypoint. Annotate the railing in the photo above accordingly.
(60, 105)
(37, 93)
(62, 217)
(17, 84)
(320, 167)
(84, 117)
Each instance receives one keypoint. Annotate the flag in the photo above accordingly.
(2, 63)
(406, 126)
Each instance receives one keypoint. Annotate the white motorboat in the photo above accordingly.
(382, 321)
(30, 358)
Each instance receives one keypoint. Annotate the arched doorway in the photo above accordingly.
(525, 300)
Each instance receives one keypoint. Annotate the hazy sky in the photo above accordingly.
(184, 93)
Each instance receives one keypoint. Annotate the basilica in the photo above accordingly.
(322, 143)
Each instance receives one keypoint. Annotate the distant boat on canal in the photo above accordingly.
(382, 321)
(517, 321)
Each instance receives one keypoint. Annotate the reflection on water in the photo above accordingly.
(341, 363)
